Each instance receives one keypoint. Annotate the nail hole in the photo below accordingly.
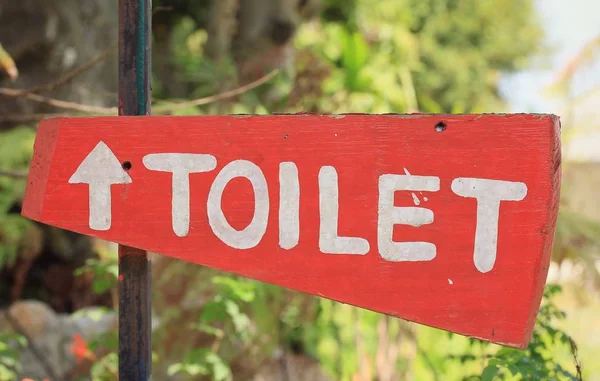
(440, 127)
(126, 165)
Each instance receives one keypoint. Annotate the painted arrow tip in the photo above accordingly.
(100, 166)
(100, 169)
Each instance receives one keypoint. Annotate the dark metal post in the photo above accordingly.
(135, 321)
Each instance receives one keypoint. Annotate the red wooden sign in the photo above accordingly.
(447, 221)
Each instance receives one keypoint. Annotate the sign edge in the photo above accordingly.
(39, 168)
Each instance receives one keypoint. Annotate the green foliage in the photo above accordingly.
(355, 53)
(225, 307)
(204, 76)
(450, 52)
(577, 239)
(223, 313)
(333, 337)
(342, 337)
(342, 11)
(12, 229)
(105, 271)
(105, 368)
(536, 362)
(202, 362)
(384, 56)
(10, 344)
(464, 45)
(16, 148)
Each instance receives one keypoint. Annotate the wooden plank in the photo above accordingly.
(449, 225)
(135, 268)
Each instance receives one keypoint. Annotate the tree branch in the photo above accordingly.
(575, 358)
(59, 103)
(13, 174)
(217, 97)
(113, 110)
(26, 118)
(69, 76)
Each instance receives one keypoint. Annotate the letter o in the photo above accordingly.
(253, 233)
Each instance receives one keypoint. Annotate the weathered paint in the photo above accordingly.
(488, 194)
(100, 169)
(327, 206)
(289, 205)
(181, 166)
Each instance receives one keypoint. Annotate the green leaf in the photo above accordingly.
(354, 57)
(113, 269)
(101, 285)
(236, 288)
(240, 320)
(489, 373)
(207, 329)
(430, 105)
(106, 367)
(220, 370)
(195, 369)
(213, 311)
(173, 369)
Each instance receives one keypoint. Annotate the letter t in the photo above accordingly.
(181, 165)
(488, 194)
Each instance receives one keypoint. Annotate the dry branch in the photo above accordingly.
(221, 96)
(13, 174)
(26, 118)
(69, 76)
(59, 103)
(113, 110)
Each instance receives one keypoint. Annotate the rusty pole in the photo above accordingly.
(135, 321)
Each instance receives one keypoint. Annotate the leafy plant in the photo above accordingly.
(16, 148)
(536, 362)
(202, 362)
(226, 305)
(106, 367)
(105, 271)
(10, 365)
(223, 311)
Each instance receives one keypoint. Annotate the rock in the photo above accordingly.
(49, 38)
(93, 321)
(53, 335)
(36, 317)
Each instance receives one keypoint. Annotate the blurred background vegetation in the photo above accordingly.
(58, 57)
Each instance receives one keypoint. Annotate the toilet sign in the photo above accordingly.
(444, 220)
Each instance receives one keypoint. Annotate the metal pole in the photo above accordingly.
(135, 353)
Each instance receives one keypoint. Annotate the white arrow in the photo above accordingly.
(100, 169)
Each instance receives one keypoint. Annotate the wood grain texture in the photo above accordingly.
(447, 292)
